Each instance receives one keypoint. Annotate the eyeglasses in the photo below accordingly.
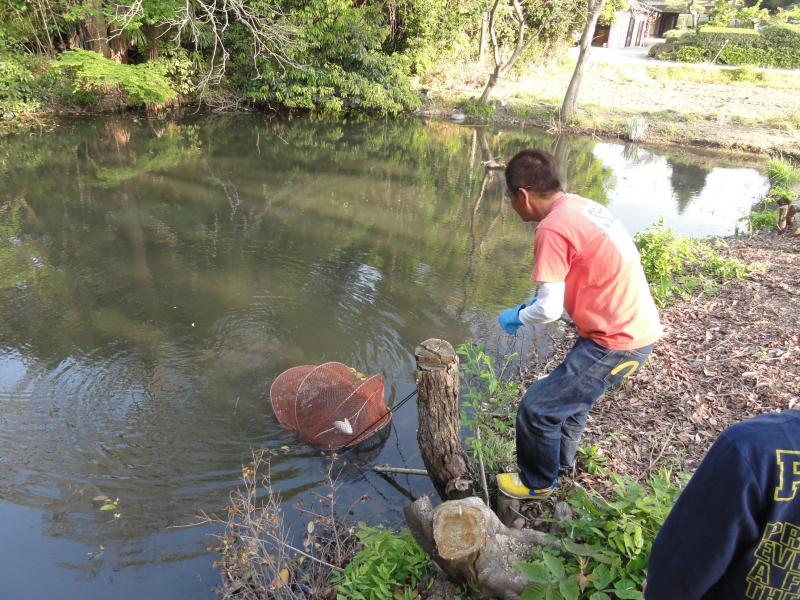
(511, 193)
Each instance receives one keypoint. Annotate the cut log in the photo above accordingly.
(439, 429)
(470, 544)
(786, 218)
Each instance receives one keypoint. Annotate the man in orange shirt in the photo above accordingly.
(587, 265)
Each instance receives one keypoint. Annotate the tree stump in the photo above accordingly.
(439, 429)
(470, 544)
(786, 218)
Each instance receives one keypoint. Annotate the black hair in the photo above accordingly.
(535, 170)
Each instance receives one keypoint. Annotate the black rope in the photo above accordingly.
(392, 410)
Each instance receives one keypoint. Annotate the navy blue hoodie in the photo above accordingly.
(734, 532)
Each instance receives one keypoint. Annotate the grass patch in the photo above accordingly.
(535, 112)
(763, 220)
(782, 173)
(678, 267)
(471, 106)
(721, 76)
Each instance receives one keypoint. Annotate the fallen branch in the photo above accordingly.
(398, 470)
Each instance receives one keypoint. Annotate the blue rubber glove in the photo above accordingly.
(509, 319)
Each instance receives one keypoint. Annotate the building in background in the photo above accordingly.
(630, 28)
(643, 21)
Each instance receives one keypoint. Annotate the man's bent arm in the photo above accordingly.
(549, 304)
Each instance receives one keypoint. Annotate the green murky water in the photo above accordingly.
(156, 276)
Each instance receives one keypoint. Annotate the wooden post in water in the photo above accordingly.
(439, 428)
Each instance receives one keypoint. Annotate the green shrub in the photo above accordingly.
(490, 403)
(782, 37)
(737, 55)
(763, 220)
(675, 266)
(338, 65)
(27, 84)
(660, 50)
(471, 106)
(388, 565)
(678, 36)
(777, 46)
(605, 552)
(180, 69)
(780, 196)
(692, 54)
(786, 59)
(782, 173)
(143, 84)
(712, 38)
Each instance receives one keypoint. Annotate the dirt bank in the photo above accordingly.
(735, 110)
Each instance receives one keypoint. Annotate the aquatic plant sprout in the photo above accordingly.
(329, 405)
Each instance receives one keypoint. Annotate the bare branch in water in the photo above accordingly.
(258, 561)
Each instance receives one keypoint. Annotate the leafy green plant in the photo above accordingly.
(676, 35)
(388, 566)
(593, 460)
(676, 266)
(471, 106)
(763, 220)
(692, 54)
(604, 553)
(337, 65)
(27, 84)
(490, 403)
(780, 196)
(144, 84)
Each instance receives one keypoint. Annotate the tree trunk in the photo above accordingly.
(693, 11)
(487, 91)
(439, 430)
(97, 28)
(500, 69)
(482, 39)
(467, 540)
(571, 97)
(152, 32)
(786, 218)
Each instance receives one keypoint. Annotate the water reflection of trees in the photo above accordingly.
(152, 274)
(688, 179)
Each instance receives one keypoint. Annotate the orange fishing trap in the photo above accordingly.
(329, 405)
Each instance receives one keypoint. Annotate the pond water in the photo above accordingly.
(156, 276)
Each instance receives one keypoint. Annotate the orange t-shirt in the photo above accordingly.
(580, 243)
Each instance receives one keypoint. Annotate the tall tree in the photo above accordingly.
(594, 8)
(502, 67)
(552, 21)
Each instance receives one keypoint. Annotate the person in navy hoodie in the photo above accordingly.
(734, 532)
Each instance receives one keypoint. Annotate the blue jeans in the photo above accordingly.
(552, 413)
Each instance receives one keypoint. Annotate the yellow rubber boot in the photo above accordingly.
(511, 485)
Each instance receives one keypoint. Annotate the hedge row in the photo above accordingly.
(734, 55)
(714, 37)
(776, 46)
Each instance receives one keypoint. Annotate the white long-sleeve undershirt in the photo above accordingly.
(549, 304)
